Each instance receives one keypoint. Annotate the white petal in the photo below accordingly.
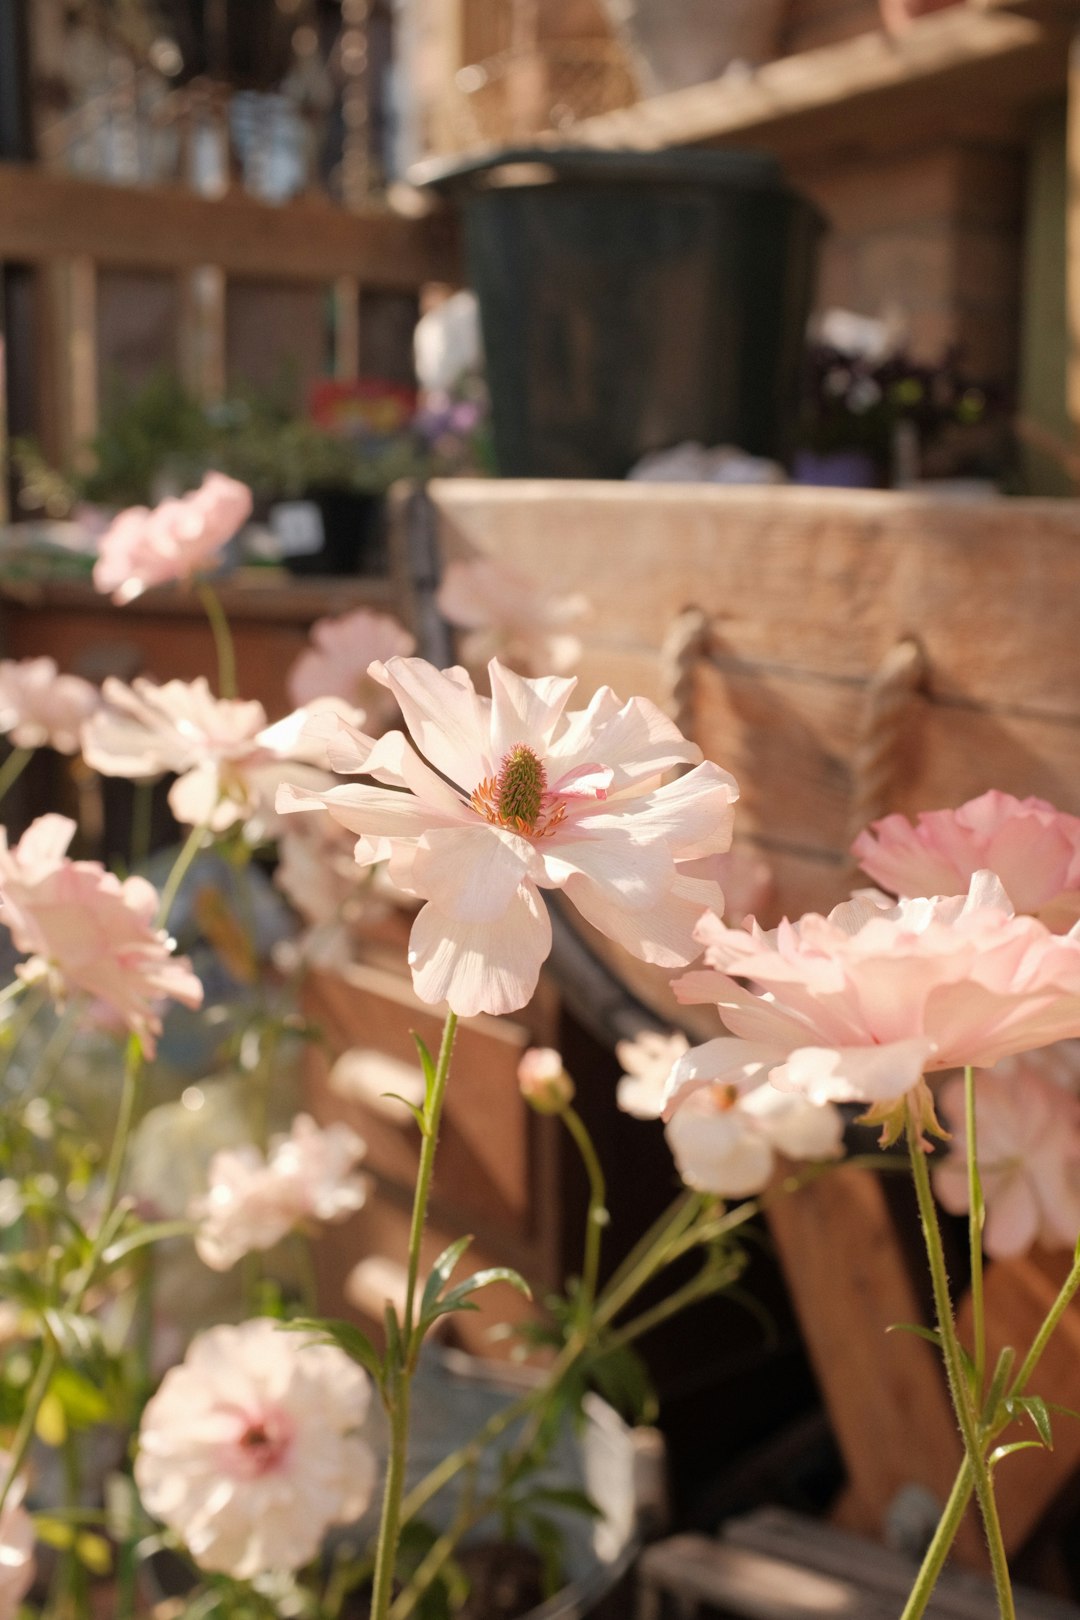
(524, 711)
(472, 873)
(866, 1074)
(481, 967)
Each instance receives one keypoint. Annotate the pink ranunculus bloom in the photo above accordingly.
(252, 1202)
(1028, 1146)
(725, 1139)
(1033, 848)
(505, 796)
(509, 617)
(249, 1451)
(859, 1005)
(144, 546)
(336, 663)
(41, 708)
(85, 930)
(16, 1546)
(228, 761)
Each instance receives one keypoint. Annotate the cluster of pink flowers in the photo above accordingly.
(87, 931)
(506, 616)
(253, 1202)
(174, 540)
(41, 708)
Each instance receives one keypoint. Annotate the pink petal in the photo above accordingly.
(490, 967)
(471, 873)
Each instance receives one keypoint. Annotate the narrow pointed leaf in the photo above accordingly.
(931, 1335)
(157, 1232)
(427, 1064)
(457, 1299)
(441, 1272)
(1035, 1407)
(355, 1343)
(417, 1113)
(1001, 1452)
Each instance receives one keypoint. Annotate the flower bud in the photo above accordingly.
(544, 1082)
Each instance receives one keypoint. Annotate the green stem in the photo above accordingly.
(709, 1281)
(954, 1369)
(938, 1550)
(142, 814)
(399, 1379)
(50, 1358)
(1042, 1338)
(596, 1216)
(223, 641)
(976, 1218)
(13, 767)
(191, 847)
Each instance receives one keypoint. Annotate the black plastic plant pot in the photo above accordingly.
(354, 540)
(631, 301)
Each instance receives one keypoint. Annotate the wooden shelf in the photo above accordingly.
(956, 68)
(44, 215)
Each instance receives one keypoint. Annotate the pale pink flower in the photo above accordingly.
(228, 761)
(249, 1449)
(87, 931)
(857, 1006)
(144, 546)
(724, 1140)
(1028, 1144)
(336, 663)
(509, 617)
(252, 1202)
(16, 1546)
(515, 794)
(543, 1080)
(1033, 848)
(41, 708)
(335, 898)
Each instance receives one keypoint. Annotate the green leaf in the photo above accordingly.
(1002, 1373)
(458, 1298)
(931, 1335)
(355, 1343)
(1035, 1407)
(622, 1378)
(573, 1501)
(157, 1232)
(1001, 1452)
(549, 1544)
(83, 1403)
(427, 1064)
(394, 1357)
(417, 1113)
(441, 1272)
(94, 1552)
(54, 1532)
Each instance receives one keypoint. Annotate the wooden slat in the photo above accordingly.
(46, 216)
(937, 54)
(1072, 236)
(804, 579)
(884, 1391)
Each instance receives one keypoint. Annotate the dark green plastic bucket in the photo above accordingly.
(631, 301)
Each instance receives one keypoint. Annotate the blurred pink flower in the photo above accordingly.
(543, 1080)
(252, 1202)
(336, 663)
(1033, 848)
(857, 1006)
(249, 1450)
(41, 708)
(514, 795)
(509, 617)
(228, 761)
(144, 546)
(724, 1140)
(16, 1546)
(87, 931)
(1028, 1144)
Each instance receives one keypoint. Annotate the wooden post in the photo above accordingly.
(202, 333)
(346, 328)
(1072, 235)
(69, 288)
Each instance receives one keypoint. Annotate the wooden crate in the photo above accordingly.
(844, 654)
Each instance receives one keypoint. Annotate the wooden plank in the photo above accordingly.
(884, 1392)
(203, 332)
(937, 56)
(704, 1574)
(1072, 236)
(46, 215)
(346, 328)
(804, 579)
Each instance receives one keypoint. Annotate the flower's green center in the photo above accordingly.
(518, 797)
(520, 788)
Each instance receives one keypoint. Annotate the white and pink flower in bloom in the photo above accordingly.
(40, 708)
(146, 546)
(16, 1546)
(86, 930)
(252, 1202)
(509, 617)
(506, 796)
(859, 1005)
(249, 1451)
(336, 663)
(228, 761)
(1027, 1128)
(724, 1140)
(1033, 848)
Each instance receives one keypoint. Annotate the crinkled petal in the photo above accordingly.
(490, 967)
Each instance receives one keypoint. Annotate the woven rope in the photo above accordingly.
(687, 642)
(885, 718)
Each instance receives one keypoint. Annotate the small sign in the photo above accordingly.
(298, 528)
